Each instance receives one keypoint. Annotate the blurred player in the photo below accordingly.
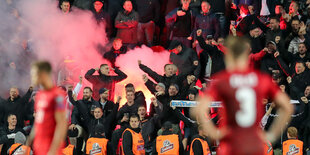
(50, 126)
(242, 91)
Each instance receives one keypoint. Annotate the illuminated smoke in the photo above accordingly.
(129, 64)
(69, 41)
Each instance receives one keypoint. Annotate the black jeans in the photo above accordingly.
(116, 136)
(146, 33)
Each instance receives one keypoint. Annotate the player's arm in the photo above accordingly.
(202, 111)
(60, 131)
(31, 136)
(285, 110)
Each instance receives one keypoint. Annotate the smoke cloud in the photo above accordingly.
(129, 64)
(69, 41)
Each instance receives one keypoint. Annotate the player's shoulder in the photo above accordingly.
(220, 75)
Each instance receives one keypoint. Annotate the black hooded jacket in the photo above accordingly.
(17, 107)
(103, 81)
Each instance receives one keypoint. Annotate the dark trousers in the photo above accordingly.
(222, 20)
(146, 33)
(116, 136)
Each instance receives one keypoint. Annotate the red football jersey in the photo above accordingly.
(47, 102)
(242, 95)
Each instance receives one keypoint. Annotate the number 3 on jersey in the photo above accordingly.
(246, 116)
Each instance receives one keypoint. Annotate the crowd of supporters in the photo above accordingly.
(194, 32)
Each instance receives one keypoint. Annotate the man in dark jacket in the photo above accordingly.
(7, 133)
(207, 22)
(87, 101)
(116, 50)
(269, 63)
(302, 55)
(126, 23)
(17, 105)
(108, 107)
(149, 125)
(184, 58)
(102, 16)
(131, 107)
(149, 11)
(165, 99)
(169, 76)
(104, 102)
(181, 22)
(211, 59)
(104, 80)
(274, 30)
(101, 115)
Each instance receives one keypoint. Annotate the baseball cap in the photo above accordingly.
(272, 42)
(102, 90)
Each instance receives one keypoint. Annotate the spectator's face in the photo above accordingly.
(177, 50)
(14, 93)
(65, 7)
(128, 6)
(293, 8)
(98, 113)
(87, 94)
(172, 91)
(191, 97)
(220, 41)
(307, 91)
(274, 24)
(134, 122)
(295, 25)
(105, 70)
(98, 5)
(278, 9)
(117, 44)
(255, 32)
(12, 120)
(205, 7)
(251, 9)
(299, 68)
(271, 48)
(130, 96)
(169, 71)
(104, 95)
(141, 112)
(185, 4)
(302, 49)
(159, 88)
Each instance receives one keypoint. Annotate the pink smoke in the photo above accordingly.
(129, 64)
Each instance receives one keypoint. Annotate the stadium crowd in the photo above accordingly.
(278, 33)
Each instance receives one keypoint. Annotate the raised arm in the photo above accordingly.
(89, 75)
(26, 97)
(78, 86)
(121, 75)
(150, 72)
(149, 84)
